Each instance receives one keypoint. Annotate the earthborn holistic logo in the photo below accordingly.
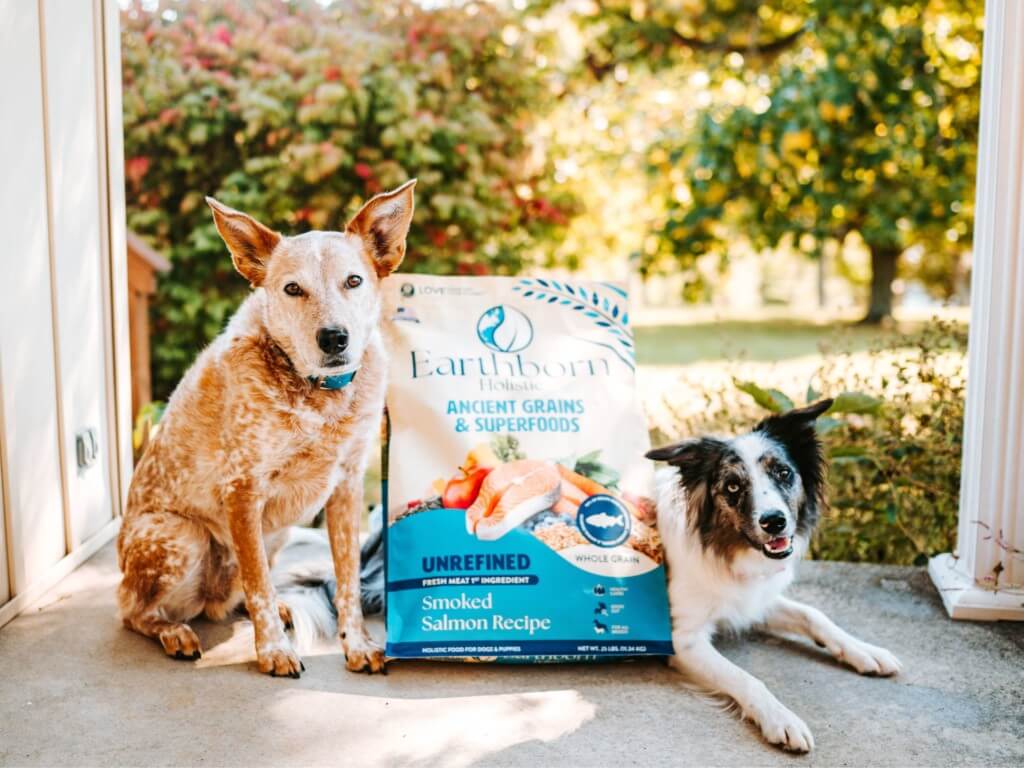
(604, 521)
(504, 329)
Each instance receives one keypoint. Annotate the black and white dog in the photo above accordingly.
(735, 517)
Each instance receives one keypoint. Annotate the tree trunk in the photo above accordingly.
(883, 272)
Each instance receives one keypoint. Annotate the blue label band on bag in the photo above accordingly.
(514, 613)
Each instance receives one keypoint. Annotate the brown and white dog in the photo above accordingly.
(270, 425)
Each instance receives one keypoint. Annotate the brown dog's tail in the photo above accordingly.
(304, 580)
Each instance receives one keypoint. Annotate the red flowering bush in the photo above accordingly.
(298, 113)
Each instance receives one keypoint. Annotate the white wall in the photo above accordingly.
(5, 591)
(57, 333)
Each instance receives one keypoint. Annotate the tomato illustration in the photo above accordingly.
(461, 492)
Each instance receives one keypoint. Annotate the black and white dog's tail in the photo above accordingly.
(304, 579)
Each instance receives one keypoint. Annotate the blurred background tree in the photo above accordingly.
(815, 122)
(297, 113)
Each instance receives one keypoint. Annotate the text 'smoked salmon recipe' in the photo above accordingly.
(520, 524)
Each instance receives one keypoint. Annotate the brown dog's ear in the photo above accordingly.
(383, 224)
(250, 242)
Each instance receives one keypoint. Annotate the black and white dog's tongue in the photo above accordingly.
(778, 548)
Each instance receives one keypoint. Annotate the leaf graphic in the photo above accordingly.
(615, 289)
(607, 315)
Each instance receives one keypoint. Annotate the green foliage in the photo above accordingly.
(297, 113)
(827, 119)
(147, 422)
(894, 453)
(772, 399)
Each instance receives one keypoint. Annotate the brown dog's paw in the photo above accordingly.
(362, 654)
(181, 642)
(286, 615)
(280, 661)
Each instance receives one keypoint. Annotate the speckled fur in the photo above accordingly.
(248, 445)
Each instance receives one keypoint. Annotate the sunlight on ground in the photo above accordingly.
(450, 731)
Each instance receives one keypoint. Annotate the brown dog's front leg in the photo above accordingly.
(362, 654)
(274, 653)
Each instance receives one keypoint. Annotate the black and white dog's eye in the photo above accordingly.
(293, 289)
(353, 281)
(732, 488)
(784, 473)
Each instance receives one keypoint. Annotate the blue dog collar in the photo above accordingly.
(332, 383)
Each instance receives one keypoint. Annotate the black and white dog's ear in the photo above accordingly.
(696, 449)
(812, 411)
(695, 458)
(673, 452)
(796, 420)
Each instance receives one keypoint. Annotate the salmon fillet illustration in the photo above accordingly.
(512, 494)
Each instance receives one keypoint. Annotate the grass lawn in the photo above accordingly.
(755, 340)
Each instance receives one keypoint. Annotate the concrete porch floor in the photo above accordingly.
(77, 689)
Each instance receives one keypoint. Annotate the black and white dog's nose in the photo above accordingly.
(773, 522)
(333, 341)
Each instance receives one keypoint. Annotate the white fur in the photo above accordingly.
(708, 593)
(750, 448)
(305, 562)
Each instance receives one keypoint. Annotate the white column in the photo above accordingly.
(984, 577)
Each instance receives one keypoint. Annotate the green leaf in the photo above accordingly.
(824, 425)
(772, 399)
(812, 393)
(856, 402)
(782, 399)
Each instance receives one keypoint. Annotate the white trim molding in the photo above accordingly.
(984, 578)
(55, 573)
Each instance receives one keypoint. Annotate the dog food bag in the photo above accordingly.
(520, 523)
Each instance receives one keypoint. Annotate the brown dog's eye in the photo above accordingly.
(732, 488)
(293, 289)
(353, 281)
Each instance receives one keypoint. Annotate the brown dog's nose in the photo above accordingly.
(333, 341)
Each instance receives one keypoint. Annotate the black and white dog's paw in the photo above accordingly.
(869, 659)
(781, 727)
